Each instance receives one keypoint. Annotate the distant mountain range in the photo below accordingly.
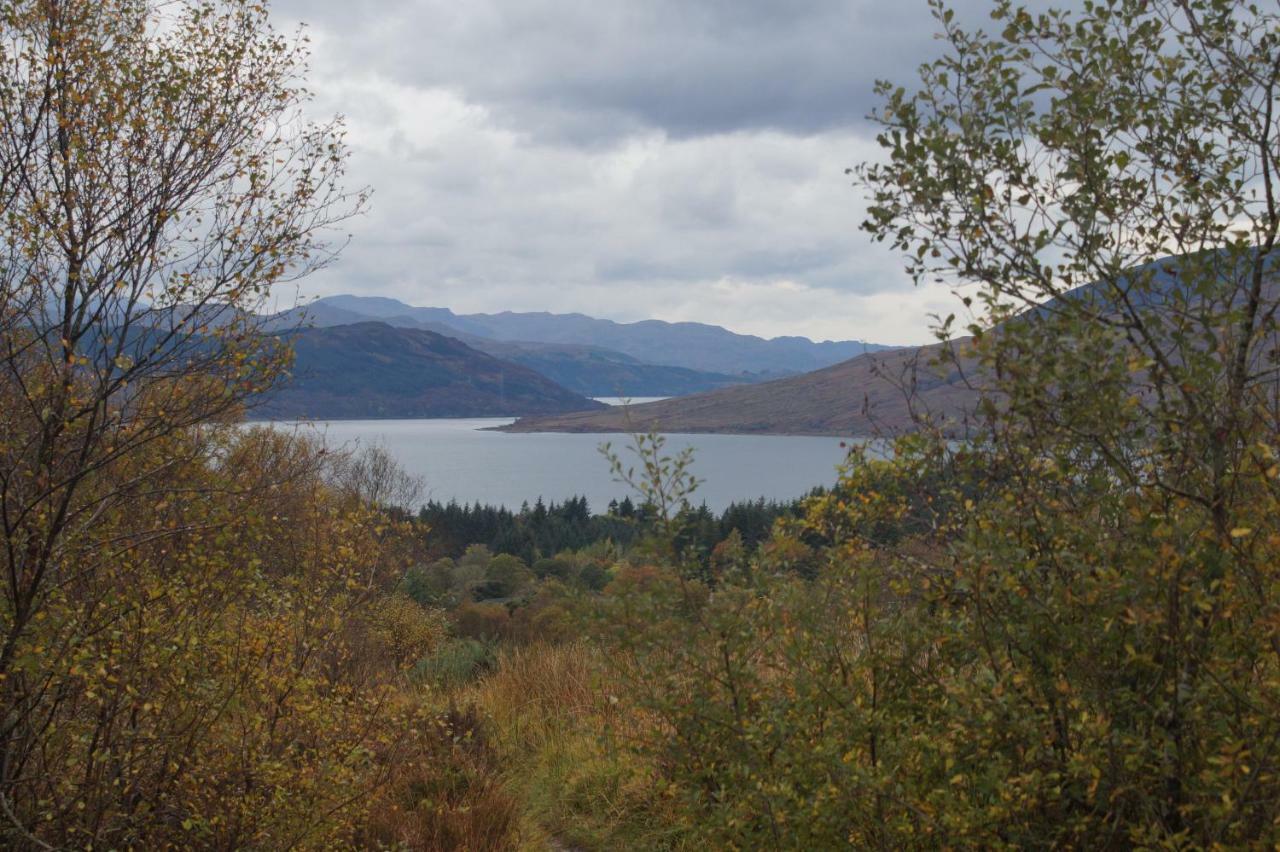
(594, 372)
(588, 370)
(374, 370)
(692, 346)
(338, 375)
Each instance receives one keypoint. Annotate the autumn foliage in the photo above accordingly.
(1062, 631)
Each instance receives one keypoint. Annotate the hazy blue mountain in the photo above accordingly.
(386, 309)
(695, 346)
(372, 369)
(594, 371)
(589, 370)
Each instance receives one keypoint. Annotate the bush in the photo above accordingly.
(548, 616)
(481, 620)
(454, 664)
(555, 567)
(400, 630)
(431, 585)
(507, 576)
(593, 576)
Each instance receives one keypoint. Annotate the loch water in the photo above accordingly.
(461, 459)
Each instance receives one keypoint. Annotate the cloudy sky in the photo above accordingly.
(674, 159)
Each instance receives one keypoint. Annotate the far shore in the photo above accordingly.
(592, 429)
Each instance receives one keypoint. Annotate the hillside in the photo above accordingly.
(373, 370)
(694, 346)
(861, 396)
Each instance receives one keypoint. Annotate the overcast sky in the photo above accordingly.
(628, 159)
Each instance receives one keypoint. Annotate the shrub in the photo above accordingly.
(432, 585)
(593, 576)
(548, 616)
(555, 567)
(401, 631)
(507, 576)
(455, 663)
(481, 620)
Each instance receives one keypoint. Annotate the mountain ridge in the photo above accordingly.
(373, 370)
(588, 370)
(692, 345)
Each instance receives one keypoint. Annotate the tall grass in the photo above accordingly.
(560, 726)
(447, 792)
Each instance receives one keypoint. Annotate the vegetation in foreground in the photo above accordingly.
(1061, 632)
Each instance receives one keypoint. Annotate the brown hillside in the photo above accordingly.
(860, 397)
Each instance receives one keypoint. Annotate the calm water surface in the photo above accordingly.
(459, 461)
(628, 400)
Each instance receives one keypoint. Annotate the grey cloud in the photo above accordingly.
(678, 159)
(792, 261)
(686, 66)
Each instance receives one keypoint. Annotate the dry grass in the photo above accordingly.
(447, 793)
(538, 689)
(535, 759)
(558, 721)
